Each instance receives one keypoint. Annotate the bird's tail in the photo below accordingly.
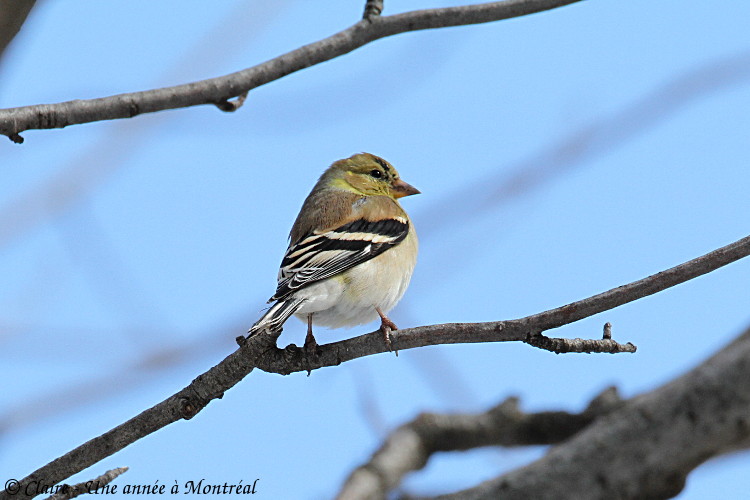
(275, 317)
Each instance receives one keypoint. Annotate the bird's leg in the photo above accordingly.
(386, 326)
(311, 346)
(385, 321)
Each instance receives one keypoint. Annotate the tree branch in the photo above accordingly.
(262, 353)
(410, 446)
(218, 90)
(647, 447)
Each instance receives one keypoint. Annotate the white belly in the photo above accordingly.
(350, 298)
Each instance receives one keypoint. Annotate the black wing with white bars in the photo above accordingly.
(320, 256)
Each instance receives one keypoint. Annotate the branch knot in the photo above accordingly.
(373, 8)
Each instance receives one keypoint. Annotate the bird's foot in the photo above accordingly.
(387, 326)
(311, 346)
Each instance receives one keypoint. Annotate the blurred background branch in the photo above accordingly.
(643, 447)
(13, 14)
(647, 447)
(409, 447)
(602, 135)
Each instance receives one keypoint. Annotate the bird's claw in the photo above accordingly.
(386, 327)
(311, 347)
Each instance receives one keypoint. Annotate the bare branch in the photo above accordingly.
(526, 329)
(92, 486)
(561, 346)
(13, 121)
(409, 447)
(644, 448)
(647, 447)
(261, 352)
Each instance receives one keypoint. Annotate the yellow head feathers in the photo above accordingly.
(368, 175)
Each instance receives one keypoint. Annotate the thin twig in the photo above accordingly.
(13, 121)
(561, 346)
(94, 486)
(262, 353)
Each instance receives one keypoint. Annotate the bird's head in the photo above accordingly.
(370, 175)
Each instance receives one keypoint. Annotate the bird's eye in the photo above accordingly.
(376, 173)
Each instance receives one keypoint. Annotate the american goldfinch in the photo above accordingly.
(351, 251)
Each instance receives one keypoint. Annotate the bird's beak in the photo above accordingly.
(401, 189)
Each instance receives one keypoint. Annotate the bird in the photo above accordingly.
(352, 251)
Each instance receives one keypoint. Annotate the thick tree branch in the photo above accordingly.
(644, 448)
(261, 352)
(409, 447)
(218, 90)
(647, 447)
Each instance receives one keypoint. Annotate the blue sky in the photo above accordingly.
(133, 252)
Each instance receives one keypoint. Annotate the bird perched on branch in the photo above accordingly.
(351, 253)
